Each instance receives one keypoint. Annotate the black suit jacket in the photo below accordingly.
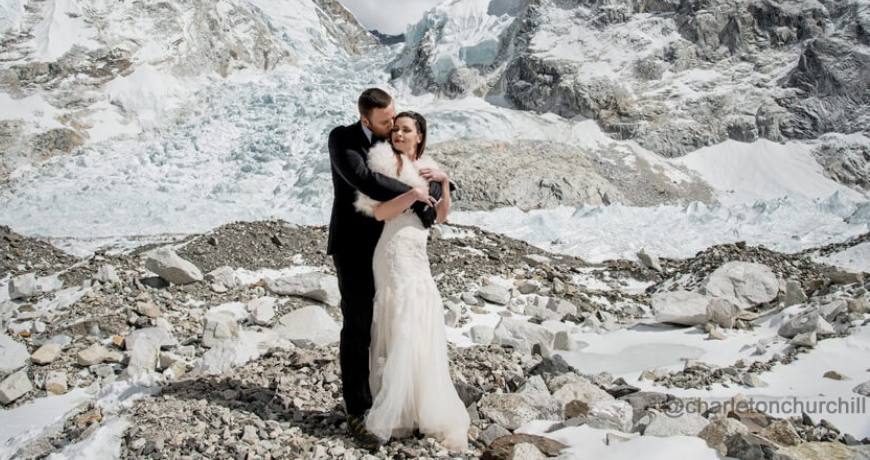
(349, 229)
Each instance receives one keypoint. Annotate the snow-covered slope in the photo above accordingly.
(75, 73)
(674, 75)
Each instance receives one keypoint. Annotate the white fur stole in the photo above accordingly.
(383, 160)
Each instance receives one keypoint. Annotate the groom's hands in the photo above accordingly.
(433, 175)
(422, 194)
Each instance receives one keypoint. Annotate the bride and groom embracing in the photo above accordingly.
(393, 349)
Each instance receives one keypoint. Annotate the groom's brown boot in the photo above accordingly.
(364, 438)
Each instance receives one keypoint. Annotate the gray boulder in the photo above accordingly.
(13, 355)
(521, 335)
(481, 335)
(219, 326)
(159, 335)
(107, 274)
(28, 285)
(649, 261)
(794, 293)
(314, 285)
(572, 387)
(685, 308)
(746, 284)
(46, 354)
(493, 432)
(539, 308)
(170, 266)
(723, 312)
(719, 430)
(494, 293)
(15, 386)
(688, 424)
(807, 321)
(262, 310)
(610, 415)
(512, 410)
(309, 325)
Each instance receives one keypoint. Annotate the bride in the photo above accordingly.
(409, 378)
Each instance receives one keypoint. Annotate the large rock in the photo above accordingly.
(56, 382)
(502, 447)
(493, 432)
(143, 347)
(46, 353)
(719, 430)
(219, 326)
(863, 389)
(314, 285)
(28, 285)
(227, 355)
(310, 324)
(262, 310)
(781, 432)
(526, 451)
(751, 447)
(158, 334)
(746, 284)
(649, 260)
(107, 274)
(13, 355)
(224, 276)
(831, 310)
(512, 410)
(643, 400)
(94, 354)
(572, 387)
(825, 451)
(680, 307)
(689, 424)
(521, 335)
(807, 321)
(794, 293)
(171, 267)
(723, 312)
(610, 415)
(15, 386)
(494, 293)
(481, 335)
(538, 307)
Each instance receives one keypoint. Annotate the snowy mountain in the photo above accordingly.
(131, 120)
(75, 73)
(672, 75)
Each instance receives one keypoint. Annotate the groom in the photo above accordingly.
(352, 240)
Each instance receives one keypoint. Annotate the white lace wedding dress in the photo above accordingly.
(410, 377)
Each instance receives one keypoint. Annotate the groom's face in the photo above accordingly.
(380, 121)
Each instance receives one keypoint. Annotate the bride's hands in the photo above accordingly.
(422, 194)
(433, 175)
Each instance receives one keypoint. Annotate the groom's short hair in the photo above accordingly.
(373, 98)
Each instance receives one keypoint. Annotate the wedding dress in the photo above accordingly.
(409, 372)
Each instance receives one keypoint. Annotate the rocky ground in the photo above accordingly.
(224, 344)
(562, 175)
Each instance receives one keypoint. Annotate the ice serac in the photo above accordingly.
(674, 76)
(74, 73)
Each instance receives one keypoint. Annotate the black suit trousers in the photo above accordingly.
(357, 286)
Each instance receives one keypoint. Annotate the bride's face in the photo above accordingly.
(405, 136)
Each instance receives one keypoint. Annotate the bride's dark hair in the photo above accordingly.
(420, 124)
